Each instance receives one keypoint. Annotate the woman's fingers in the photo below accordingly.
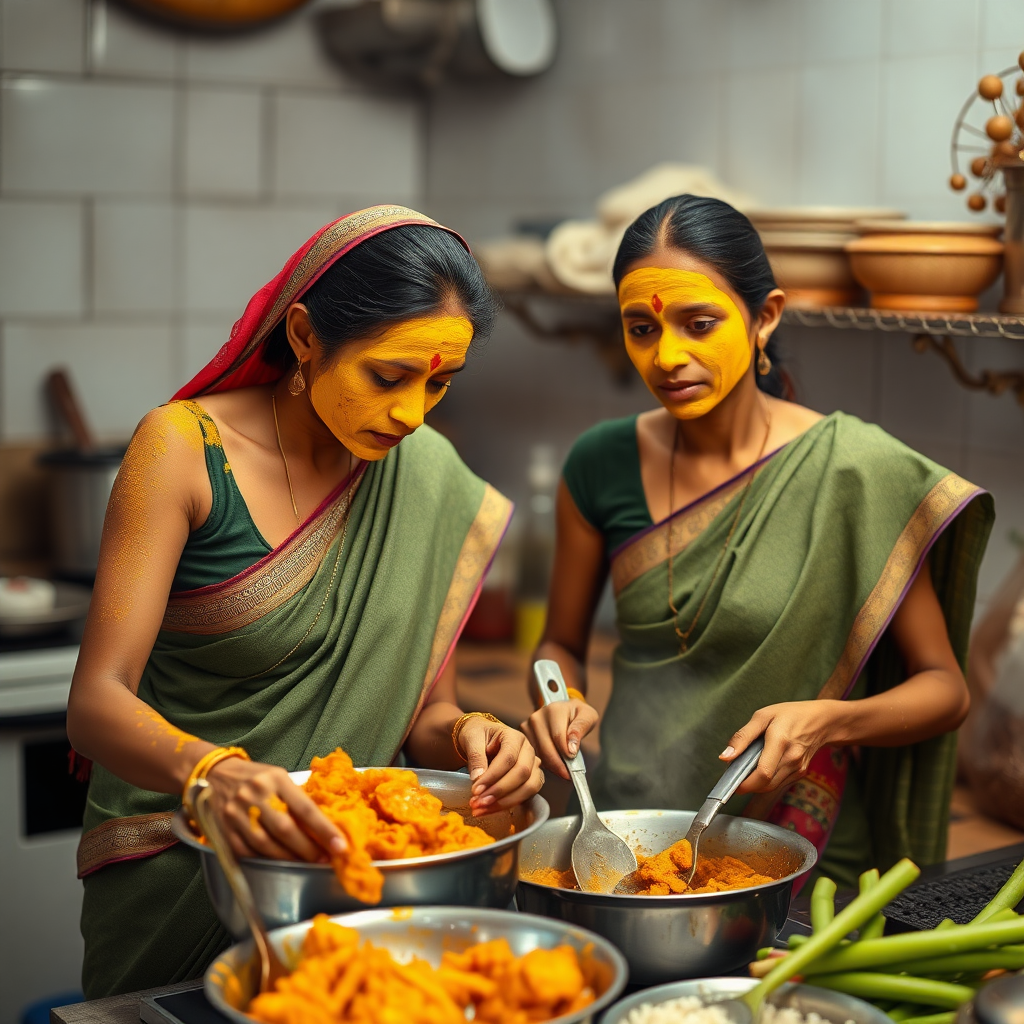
(742, 738)
(311, 821)
(529, 788)
(518, 760)
(265, 810)
(476, 738)
(545, 724)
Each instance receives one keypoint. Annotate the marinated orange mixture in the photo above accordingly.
(385, 814)
(342, 981)
(663, 873)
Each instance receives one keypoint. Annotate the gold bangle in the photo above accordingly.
(206, 763)
(575, 694)
(457, 728)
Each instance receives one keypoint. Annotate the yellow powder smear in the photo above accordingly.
(160, 728)
(142, 483)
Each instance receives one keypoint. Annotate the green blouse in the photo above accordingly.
(602, 474)
(228, 542)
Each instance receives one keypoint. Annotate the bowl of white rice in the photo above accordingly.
(686, 1002)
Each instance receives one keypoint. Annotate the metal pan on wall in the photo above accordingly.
(419, 43)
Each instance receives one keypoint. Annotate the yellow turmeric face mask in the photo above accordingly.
(686, 337)
(377, 391)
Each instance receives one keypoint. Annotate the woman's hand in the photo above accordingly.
(264, 814)
(793, 733)
(557, 730)
(503, 766)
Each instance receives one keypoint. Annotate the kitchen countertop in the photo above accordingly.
(124, 1009)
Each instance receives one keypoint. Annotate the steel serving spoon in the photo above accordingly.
(599, 857)
(727, 785)
(200, 807)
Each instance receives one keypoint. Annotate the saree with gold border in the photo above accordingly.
(833, 530)
(334, 638)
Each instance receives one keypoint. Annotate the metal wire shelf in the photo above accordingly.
(938, 325)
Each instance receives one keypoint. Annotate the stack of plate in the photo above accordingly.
(806, 246)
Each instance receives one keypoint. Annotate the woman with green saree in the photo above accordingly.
(775, 572)
(288, 559)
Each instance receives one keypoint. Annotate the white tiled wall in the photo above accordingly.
(150, 182)
(793, 101)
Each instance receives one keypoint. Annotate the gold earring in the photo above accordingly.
(764, 364)
(298, 382)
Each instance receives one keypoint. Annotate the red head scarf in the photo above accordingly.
(240, 363)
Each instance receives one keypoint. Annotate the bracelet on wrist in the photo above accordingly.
(457, 728)
(206, 763)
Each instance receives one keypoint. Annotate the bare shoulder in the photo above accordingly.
(790, 420)
(165, 455)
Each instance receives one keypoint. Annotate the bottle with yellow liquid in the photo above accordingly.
(536, 548)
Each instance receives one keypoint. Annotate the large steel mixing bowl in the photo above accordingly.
(666, 938)
(835, 1007)
(289, 891)
(426, 932)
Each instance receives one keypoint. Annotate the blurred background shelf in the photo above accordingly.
(957, 325)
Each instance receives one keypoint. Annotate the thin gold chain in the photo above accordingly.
(684, 636)
(280, 448)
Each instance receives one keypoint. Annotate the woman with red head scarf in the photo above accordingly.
(288, 559)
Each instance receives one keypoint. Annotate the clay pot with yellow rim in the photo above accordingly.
(927, 272)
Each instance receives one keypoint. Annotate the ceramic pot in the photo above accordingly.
(925, 272)
(812, 268)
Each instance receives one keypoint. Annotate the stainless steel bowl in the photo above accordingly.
(666, 938)
(836, 1007)
(290, 891)
(426, 932)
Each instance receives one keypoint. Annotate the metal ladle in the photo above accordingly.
(599, 857)
(199, 806)
(731, 779)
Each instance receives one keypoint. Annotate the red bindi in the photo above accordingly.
(435, 361)
(657, 304)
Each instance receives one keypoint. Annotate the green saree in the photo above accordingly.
(833, 530)
(334, 639)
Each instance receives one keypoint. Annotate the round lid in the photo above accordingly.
(1001, 1001)
(928, 227)
(518, 35)
(830, 241)
(952, 245)
(814, 214)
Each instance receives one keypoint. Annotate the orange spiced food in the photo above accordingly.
(340, 980)
(662, 874)
(385, 814)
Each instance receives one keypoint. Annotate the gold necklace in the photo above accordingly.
(685, 636)
(280, 448)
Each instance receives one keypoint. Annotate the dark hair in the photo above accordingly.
(717, 234)
(399, 274)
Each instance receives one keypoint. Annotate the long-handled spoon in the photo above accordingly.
(199, 804)
(727, 785)
(599, 857)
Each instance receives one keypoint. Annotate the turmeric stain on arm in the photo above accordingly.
(136, 518)
(160, 729)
